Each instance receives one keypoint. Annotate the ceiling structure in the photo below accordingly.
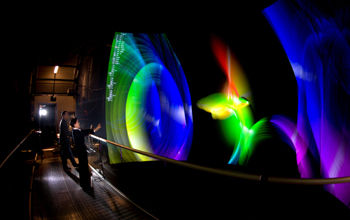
(64, 40)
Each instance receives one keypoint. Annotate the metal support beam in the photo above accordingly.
(47, 79)
(71, 66)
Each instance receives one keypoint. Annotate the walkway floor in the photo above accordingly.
(58, 195)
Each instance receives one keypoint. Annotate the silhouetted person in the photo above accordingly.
(78, 137)
(66, 151)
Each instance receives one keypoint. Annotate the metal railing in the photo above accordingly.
(3, 162)
(12, 158)
(246, 176)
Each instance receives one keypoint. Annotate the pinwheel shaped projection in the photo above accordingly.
(148, 103)
(231, 106)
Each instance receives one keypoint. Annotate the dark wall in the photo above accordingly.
(91, 89)
(188, 29)
(265, 63)
(16, 109)
(243, 28)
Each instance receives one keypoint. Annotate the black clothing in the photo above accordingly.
(66, 151)
(84, 173)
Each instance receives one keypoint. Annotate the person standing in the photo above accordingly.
(78, 137)
(65, 134)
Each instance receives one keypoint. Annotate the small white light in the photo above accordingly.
(42, 112)
(56, 69)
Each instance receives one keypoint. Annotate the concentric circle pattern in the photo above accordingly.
(148, 104)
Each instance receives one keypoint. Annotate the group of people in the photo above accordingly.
(78, 138)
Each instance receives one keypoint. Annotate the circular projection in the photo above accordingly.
(148, 103)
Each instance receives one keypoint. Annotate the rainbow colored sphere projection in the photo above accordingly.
(148, 104)
(316, 39)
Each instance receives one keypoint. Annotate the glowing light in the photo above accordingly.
(224, 105)
(55, 70)
(237, 81)
(148, 103)
(316, 43)
(42, 111)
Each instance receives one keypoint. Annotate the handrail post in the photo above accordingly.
(100, 147)
(121, 155)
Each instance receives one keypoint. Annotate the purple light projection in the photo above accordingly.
(316, 39)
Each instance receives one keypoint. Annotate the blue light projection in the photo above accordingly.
(316, 39)
(148, 103)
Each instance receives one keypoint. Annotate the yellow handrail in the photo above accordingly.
(254, 177)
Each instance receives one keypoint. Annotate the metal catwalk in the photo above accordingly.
(58, 195)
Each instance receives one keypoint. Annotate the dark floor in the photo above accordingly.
(58, 195)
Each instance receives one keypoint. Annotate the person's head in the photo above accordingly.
(65, 115)
(74, 123)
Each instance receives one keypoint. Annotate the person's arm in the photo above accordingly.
(86, 132)
(97, 128)
(91, 131)
(64, 129)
